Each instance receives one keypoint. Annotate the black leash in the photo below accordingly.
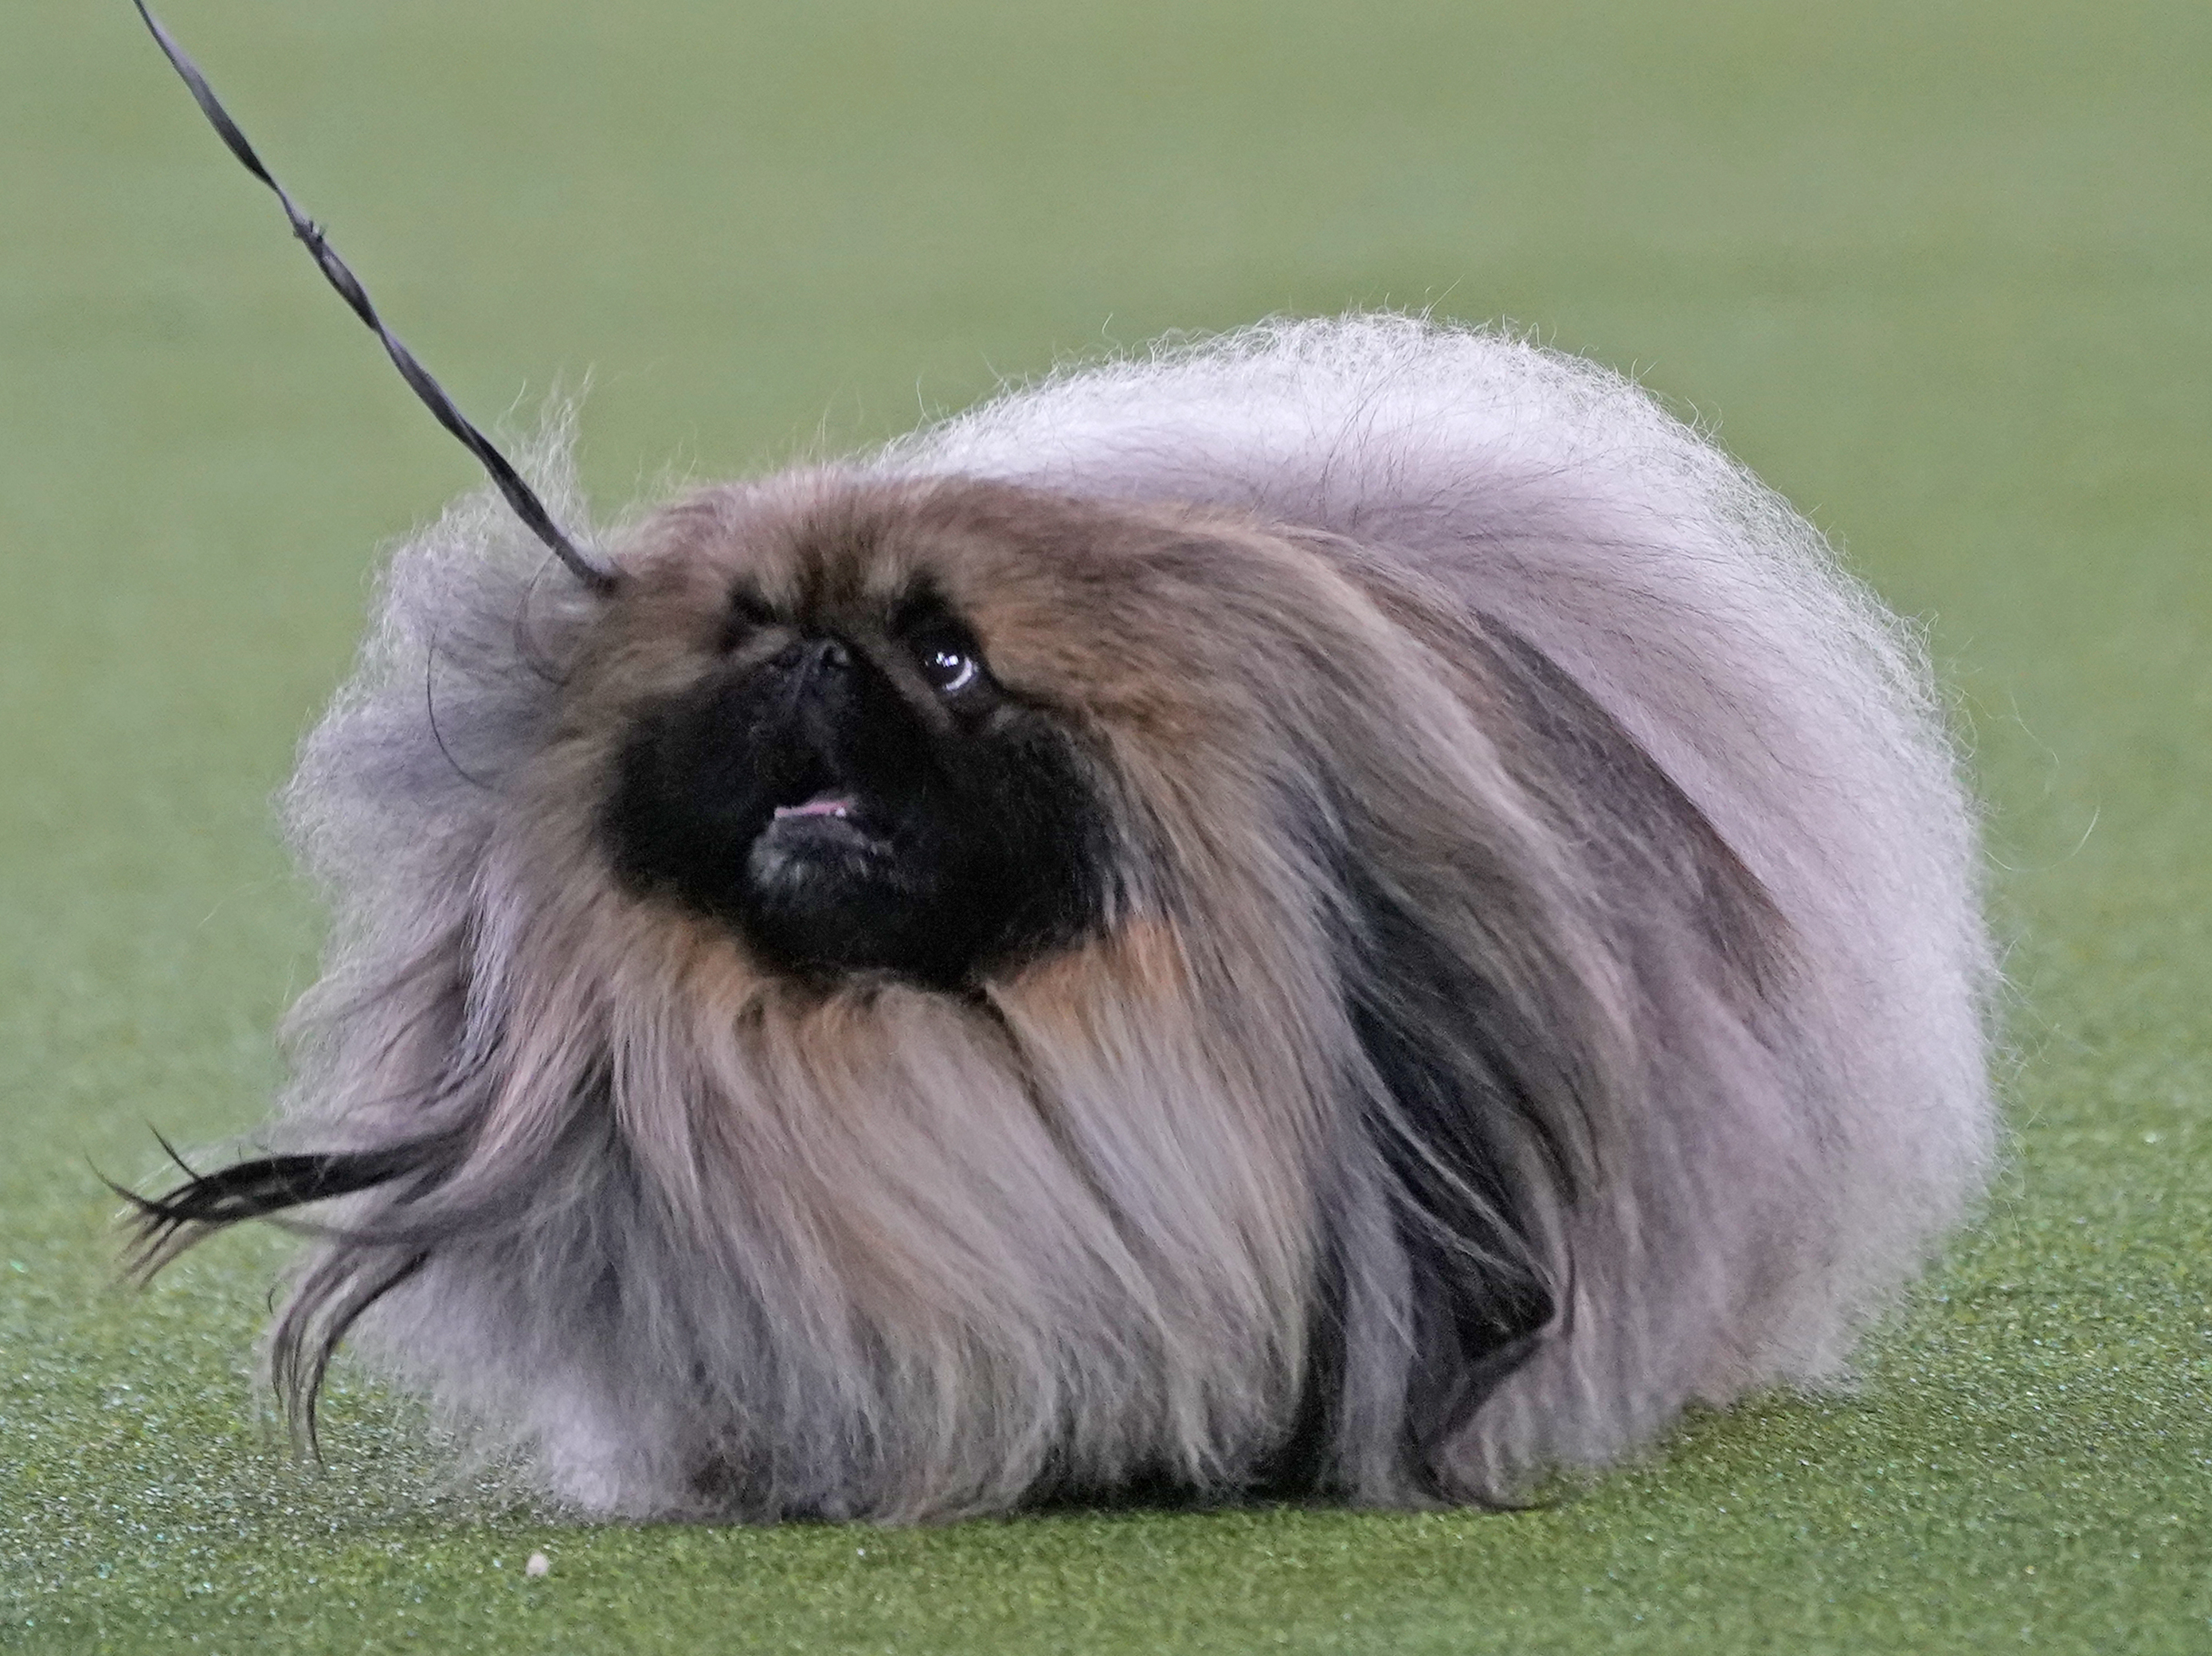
(520, 495)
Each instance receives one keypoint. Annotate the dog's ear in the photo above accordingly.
(1496, 1087)
(1465, 1136)
(342, 1286)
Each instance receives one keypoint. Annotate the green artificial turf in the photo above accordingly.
(1937, 267)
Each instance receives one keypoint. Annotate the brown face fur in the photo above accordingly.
(826, 760)
(765, 675)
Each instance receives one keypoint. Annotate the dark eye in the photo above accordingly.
(950, 661)
(749, 612)
(949, 668)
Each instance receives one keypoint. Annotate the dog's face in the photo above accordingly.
(829, 756)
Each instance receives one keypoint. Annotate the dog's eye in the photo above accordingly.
(949, 668)
(748, 613)
(950, 661)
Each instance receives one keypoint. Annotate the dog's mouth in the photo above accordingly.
(841, 806)
(833, 818)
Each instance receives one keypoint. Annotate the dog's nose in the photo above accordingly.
(802, 658)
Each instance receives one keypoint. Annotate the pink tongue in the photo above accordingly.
(822, 804)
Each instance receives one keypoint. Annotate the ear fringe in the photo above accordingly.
(272, 1187)
(325, 1304)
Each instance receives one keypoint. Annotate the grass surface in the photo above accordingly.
(1940, 271)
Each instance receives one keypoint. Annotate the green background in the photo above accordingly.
(1939, 270)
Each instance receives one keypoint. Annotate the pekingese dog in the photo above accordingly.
(1351, 910)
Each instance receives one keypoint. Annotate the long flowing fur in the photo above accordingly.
(1544, 986)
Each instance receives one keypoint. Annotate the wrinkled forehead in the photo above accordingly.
(822, 548)
(1154, 626)
(806, 548)
(1058, 592)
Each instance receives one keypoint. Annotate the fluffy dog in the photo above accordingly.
(1352, 909)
